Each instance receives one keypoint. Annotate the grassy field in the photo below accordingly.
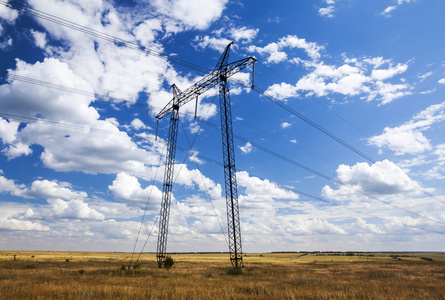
(82, 275)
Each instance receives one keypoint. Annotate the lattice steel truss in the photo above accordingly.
(223, 70)
(168, 179)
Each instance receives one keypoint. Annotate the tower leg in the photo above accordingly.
(233, 219)
(167, 187)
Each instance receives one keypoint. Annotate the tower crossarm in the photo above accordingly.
(209, 81)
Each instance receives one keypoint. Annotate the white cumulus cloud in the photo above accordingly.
(383, 178)
(408, 138)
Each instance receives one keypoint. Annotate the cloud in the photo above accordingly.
(20, 225)
(409, 138)
(194, 157)
(247, 148)
(275, 50)
(306, 226)
(147, 31)
(382, 179)
(198, 14)
(55, 193)
(80, 132)
(6, 44)
(138, 124)
(285, 124)
(7, 14)
(255, 187)
(8, 135)
(39, 38)
(391, 8)
(354, 77)
(274, 20)
(383, 74)
(388, 10)
(218, 44)
(327, 11)
(51, 190)
(40, 189)
(442, 81)
(258, 197)
(422, 77)
(440, 152)
(283, 91)
(73, 209)
(244, 34)
(127, 188)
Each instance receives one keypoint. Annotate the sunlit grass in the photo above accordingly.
(81, 275)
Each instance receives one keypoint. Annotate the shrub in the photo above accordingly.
(29, 267)
(168, 262)
(233, 271)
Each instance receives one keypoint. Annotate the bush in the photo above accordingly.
(29, 267)
(427, 258)
(168, 262)
(233, 271)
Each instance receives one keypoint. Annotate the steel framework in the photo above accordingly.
(168, 179)
(220, 74)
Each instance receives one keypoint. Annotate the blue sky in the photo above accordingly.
(344, 151)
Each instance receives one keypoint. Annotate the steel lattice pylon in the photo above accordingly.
(223, 70)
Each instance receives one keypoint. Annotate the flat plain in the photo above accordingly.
(94, 275)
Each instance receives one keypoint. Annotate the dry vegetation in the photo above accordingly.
(72, 275)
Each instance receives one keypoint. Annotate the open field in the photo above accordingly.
(89, 275)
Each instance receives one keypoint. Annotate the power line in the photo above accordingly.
(52, 123)
(121, 42)
(27, 9)
(202, 180)
(339, 140)
(283, 105)
(315, 172)
(319, 103)
(98, 34)
(292, 189)
(145, 212)
(83, 128)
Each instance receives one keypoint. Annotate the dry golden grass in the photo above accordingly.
(80, 275)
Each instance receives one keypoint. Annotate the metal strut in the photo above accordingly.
(168, 180)
(231, 188)
(222, 71)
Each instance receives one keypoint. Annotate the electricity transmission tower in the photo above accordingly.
(222, 71)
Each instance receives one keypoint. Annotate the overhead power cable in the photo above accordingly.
(339, 140)
(73, 126)
(98, 34)
(27, 9)
(318, 102)
(313, 124)
(52, 123)
(202, 180)
(261, 92)
(306, 168)
(121, 42)
(145, 213)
